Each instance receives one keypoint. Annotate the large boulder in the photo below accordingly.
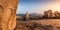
(8, 14)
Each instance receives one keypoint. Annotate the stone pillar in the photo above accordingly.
(27, 16)
(8, 14)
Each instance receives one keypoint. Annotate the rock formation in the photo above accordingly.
(8, 14)
(56, 13)
(49, 14)
(46, 14)
(27, 16)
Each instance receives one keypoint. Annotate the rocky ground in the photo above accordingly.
(45, 24)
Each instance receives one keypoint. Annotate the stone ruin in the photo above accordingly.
(8, 14)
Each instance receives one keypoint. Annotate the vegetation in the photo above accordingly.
(25, 25)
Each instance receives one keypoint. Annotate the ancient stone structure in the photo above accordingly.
(8, 14)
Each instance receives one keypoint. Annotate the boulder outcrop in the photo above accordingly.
(8, 14)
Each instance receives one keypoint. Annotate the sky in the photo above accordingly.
(37, 6)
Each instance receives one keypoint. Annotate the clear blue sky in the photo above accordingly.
(35, 6)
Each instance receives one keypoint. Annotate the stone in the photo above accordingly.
(8, 14)
(26, 16)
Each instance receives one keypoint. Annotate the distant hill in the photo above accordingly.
(33, 14)
(20, 14)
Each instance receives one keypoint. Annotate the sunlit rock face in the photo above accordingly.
(8, 14)
(49, 14)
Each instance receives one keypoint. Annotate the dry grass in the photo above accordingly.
(45, 24)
